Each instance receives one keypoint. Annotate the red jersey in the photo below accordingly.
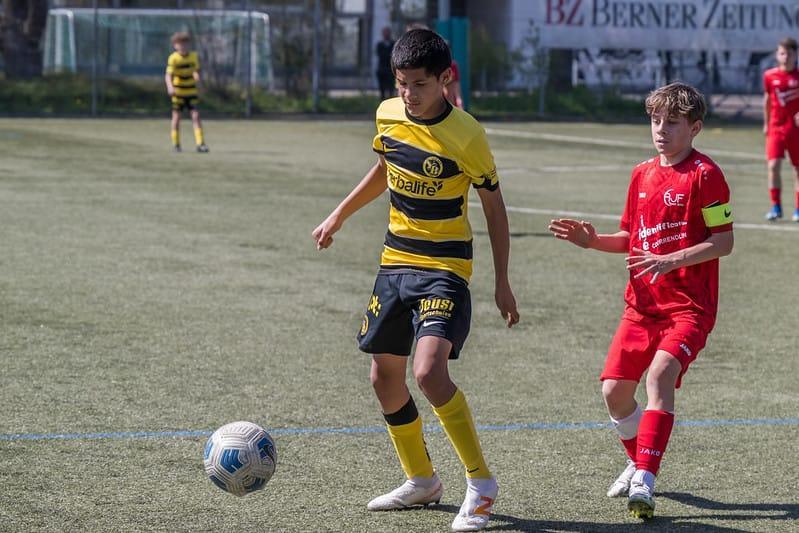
(782, 89)
(456, 75)
(669, 209)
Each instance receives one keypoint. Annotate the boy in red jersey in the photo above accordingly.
(676, 223)
(781, 123)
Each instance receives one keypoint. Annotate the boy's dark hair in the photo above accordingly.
(677, 100)
(789, 44)
(421, 48)
(181, 37)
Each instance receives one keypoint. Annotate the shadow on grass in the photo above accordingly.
(787, 511)
(504, 522)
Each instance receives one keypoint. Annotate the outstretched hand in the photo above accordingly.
(581, 233)
(650, 263)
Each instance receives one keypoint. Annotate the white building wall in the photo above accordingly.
(520, 12)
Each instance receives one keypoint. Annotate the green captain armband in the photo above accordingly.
(718, 215)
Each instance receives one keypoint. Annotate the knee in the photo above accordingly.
(424, 378)
(427, 378)
(617, 397)
(611, 392)
(661, 378)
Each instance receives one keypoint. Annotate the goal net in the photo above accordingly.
(233, 45)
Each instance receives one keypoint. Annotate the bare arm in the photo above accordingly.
(766, 112)
(370, 187)
(715, 246)
(584, 235)
(196, 76)
(499, 234)
(170, 89)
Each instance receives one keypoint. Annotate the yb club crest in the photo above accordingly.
(433, 166)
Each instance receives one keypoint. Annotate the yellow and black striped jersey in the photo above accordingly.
(430, 165)
(182, 69)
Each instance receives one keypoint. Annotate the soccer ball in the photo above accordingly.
(240, 457)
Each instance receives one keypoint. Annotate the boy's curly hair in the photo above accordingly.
(677, 100)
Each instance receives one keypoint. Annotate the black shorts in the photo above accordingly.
(408, 304)
(179, 103)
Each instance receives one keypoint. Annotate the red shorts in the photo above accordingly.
(778, 141)
(636, 341)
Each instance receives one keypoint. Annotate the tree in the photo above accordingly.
(21, 31)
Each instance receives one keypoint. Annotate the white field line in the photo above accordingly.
(574, 139)
(593, 216)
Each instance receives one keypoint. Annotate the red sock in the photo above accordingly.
(775, 196)
(653, 436)
(797, 199)
(631, 446)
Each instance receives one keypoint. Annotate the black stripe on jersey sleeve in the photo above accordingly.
(187, 77)
(413, 159)
(486, 184)
(427, 209)
(453, 249)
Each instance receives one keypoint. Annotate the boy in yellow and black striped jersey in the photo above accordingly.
(182, 78)
(429, 154)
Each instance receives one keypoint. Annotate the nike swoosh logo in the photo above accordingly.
(473, 470)
(727, 213)
(431, 322)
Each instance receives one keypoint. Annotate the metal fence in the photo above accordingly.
(306, 49)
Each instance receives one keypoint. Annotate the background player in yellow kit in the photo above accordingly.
(182, 80)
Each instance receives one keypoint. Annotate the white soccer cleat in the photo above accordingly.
(621, 486)
(641, 501)
(477, 506)
(417, 491)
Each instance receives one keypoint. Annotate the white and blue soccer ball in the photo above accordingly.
(240, 458)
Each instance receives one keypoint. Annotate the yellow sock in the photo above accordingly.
(409, 442)
(456, 419)
(198, 136)
(175, 138)
(405, 430)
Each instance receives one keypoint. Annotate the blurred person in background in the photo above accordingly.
(385, 78)
(182, 80)
(781, 123)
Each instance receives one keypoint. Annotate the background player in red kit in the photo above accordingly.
(781, 123)
(676, 224)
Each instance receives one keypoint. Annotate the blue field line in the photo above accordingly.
(536, 426)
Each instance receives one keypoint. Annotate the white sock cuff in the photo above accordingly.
(627, 427)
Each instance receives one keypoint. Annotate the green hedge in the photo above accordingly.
(71, 95)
